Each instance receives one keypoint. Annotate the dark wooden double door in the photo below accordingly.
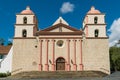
(60, 64)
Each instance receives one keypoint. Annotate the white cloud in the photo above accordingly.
(115, 32)
(67, 7)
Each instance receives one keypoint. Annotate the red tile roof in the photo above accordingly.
(4, 49)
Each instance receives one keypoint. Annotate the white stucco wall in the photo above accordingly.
(63, 30)
(100, 28)
(19, 19)
(19, 29)
(6, 63)
(101, 19)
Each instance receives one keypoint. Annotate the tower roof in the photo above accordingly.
(60, 20)
(27, 11)
(93, 11)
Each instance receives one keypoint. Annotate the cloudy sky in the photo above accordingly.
(47, 11)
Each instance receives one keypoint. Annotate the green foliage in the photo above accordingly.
(2, 41)
(9, 43)
(115, 58)
(5, 74)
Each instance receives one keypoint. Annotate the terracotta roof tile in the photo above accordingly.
(4, 49)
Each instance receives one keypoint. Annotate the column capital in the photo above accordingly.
(68, 40)
(46, 40)
(74, 40)
(53, 40)
(80, 40)
(41, 40)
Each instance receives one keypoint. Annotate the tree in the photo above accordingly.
(9, 43)
(2, 41)
(115, 58)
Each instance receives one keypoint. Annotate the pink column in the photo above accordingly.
(40, 64)
(68, 49)
(81, 64)
(74, 65)
(87, 31)
(46, 65)
(53, 58)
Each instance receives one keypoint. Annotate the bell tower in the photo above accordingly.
(26, 24)
(94, 23)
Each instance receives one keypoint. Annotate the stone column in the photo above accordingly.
(74, 65)
(87, 31)
(46, 65)
(53, 55)
(68, 55)
(40, 64)
(81, 64)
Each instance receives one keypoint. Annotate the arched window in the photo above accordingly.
(96, 33)
(25, 20)
(95, 20)
(24, 33)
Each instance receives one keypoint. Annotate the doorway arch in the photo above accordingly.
(60, 64)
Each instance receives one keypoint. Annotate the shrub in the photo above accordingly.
(5, 74)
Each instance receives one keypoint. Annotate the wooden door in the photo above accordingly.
(60, 64)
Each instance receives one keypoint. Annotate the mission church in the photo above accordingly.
(60, 47)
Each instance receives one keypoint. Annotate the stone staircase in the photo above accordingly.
(59, 74)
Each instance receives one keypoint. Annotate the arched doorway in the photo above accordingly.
(60, 64)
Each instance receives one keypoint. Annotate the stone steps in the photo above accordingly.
(59, 74)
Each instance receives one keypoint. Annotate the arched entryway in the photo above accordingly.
(60, 64)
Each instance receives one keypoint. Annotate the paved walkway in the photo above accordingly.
(114, 76)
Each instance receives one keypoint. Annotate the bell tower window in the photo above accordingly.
(96, 20)
(24, 33)
(25, 20)
(96, 33)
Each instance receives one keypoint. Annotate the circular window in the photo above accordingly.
(60, 43)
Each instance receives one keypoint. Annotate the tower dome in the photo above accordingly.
(27, 11)
(93, 11)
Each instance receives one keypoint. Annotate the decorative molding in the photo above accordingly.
(25, 14)
(25, 24)
(96, 24)
(96, 14)
(61, 37)
(59, 33)
(59, 25)
(97, 37)
(49, 37)
(24, 38)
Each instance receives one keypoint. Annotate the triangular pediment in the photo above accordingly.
(60, 27)
(60, 20)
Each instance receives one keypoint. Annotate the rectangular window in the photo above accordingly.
(1, 56)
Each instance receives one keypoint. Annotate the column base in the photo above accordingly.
(68, 67)
(75, 67)
(53, 67)
(46, 67)
(40, 67)
(81, 67)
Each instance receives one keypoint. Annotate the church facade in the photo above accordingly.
(60, 47)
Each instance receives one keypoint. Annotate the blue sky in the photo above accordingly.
(47, 11)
